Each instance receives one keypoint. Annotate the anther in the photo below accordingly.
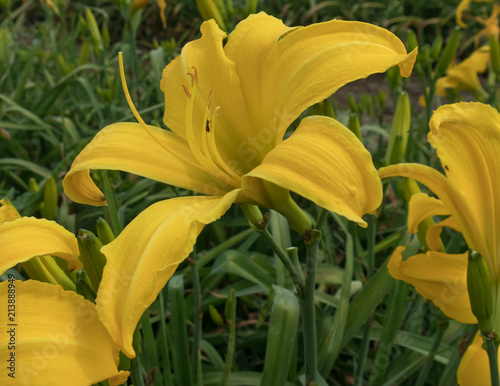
(195, 70)
(188, 93)
(192, 78)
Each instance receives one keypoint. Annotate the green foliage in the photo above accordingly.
(231, 316)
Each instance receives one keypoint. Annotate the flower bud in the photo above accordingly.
(494, 54)
(210, 10)
(480, 291)
(104, 232)
(48, 209)
(82, 288)
(448, 53)
(90, 255)
(399, 131)
(354, 125)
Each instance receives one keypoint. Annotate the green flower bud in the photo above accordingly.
(94, 30)
(411, 41)
(209, 9)
(494, 54)
(436, 47)
(354, 125)
(449, 52)
(48, 209)
(90, 255)
(82, 288)
(399, 131)
(104, 232)
(480, 291)
(215, 316)
(33, 185)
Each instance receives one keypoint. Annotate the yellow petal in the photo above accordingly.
(217, 74)
(439, 277)
(128, 147)
(452, 198)
(474, 367)
(433, 236)
(464, 4)
(467, 139)
(324, 162)
(163, 6)
(58, 338)
(146, 254)
(465, 74)
(284, 70)
(27, 237)
(7, 212)
(422, 207)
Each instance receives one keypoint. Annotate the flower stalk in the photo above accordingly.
(492, 350)
(308, 309)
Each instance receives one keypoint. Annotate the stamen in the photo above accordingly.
(213, 150)
(192, 78)
(131, 104)
(191, 139)
(210, 98)
(136, 113)
(195, 70)
(186, 91)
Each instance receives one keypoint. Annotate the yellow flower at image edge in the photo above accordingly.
(52, 336)
(228, 108)
(466, 137)
(465, 74)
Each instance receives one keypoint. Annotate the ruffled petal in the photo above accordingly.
(324, 162)
(465, 74)
(58, 338)
(433, 236)
(464, 4)
(467, 139)
(7, 212)
(422, 207)
(216, 75)
(439, 277)
(28, 237)
(284, 70)
(146, 254)
(159, 155)
(474, 367)
(452, 198)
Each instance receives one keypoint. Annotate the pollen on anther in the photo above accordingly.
(188, 93)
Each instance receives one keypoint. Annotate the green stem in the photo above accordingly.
(136, 372)
(198, 315)
(424, 373)
(297, 277)
(309, 313)
(370, 264)
(167, 369)
(110, 200)
(492, 349)
(232, 339)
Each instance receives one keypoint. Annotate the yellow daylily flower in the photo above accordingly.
(54, 336)
(228, 108)
(467, 139)
(465, 74)
(464, 4)
(490, 24)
